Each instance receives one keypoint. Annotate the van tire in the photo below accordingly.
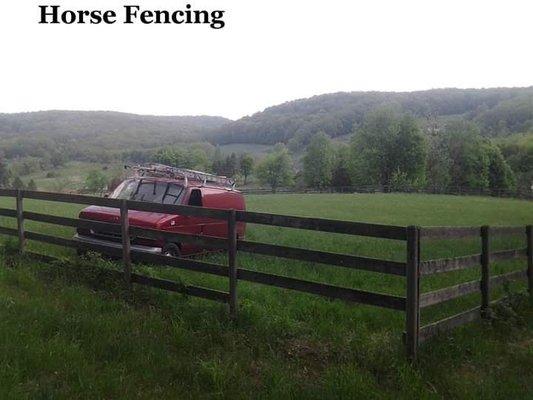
(171, 250)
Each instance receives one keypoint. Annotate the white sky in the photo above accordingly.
(270, 51)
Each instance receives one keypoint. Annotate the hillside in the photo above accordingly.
(86, 123)
(498, 111)
(103, 129)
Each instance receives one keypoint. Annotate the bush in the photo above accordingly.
(96, 181)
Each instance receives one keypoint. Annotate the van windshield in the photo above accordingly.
(149, 190)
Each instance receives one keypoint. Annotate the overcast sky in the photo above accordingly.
(270, 51)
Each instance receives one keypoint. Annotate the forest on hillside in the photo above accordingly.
(496, 112)
(95, 135)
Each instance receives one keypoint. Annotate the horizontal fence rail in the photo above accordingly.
(449, 323)
(330, 291)
(324, 225)
(449, 264)
(450, 232)
(343, 260)
(412, 269)
(6, 212)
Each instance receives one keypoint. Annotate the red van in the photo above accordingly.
(167, 185)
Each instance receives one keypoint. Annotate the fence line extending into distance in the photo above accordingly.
(455, 190)
(412, 269)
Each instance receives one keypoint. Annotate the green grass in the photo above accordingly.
(256, 150)
(70, 333)
(71, 176)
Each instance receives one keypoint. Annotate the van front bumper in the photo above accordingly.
(134, 247)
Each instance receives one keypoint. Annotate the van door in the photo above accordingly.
(191, 225)
(216, 198)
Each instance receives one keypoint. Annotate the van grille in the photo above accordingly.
(117, 237)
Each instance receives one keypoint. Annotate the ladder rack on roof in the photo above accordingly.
(166, 171)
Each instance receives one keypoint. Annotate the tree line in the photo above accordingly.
(390, 149)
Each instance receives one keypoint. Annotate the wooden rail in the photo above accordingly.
(447, 324)
(449, 264)
(412, 269)
(343, 260)
(324, 225)
(330, 291)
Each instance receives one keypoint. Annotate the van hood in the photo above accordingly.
(136, 218)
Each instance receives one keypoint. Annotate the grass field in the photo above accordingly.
(256, 150)
(71, 176)
(68, 333)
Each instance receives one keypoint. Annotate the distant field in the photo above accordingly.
(254, 149)
(81, 339)
(71, 176)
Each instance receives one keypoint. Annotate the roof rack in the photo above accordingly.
(166, 171)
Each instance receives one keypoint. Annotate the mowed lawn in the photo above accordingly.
(70, 333)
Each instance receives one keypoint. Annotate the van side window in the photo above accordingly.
(196, 198)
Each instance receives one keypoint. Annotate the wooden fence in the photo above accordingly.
(412, 269)
(483, 259)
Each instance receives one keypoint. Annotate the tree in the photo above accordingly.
(198, 159)
(61, 184)
(231, 165)
(410, 151)
(501, 176)
(469, 156)
(58, 158)
(518, 153)
(5, 173)
(218, 162)
(276, 168)
(17, 183)
(175, 157)
(96, 181)
(385, 145)
(318, 161)
(341, 168)
(32, 185)
(246, 166)
(438, 161)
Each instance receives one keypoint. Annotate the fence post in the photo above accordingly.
(529, 231)
(232, 264)
(412, 309)
(485, 270)
(126, 251)
(20, 220)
